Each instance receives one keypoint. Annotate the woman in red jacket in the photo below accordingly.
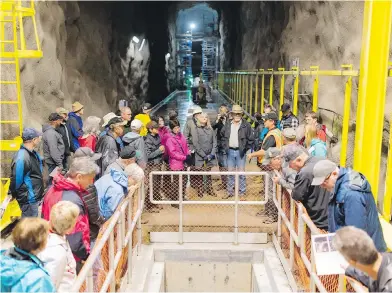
(91, 132)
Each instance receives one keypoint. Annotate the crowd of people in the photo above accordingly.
(91, 168)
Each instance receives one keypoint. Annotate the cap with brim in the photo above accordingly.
(127, 153)
(136, 124)
(237, 109)
(76, 107)
(289, 133)
(62, 111)
(147, 106)
(87, 152)
(270, 154)
(197, 110)
(321, 170)
(107, 118)
(292, 151)
(55, 117)
(30, 133)
(118, 121)
(270, 116)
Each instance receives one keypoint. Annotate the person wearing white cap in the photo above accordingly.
(144, 118)
(134, 141)
(352, 203)
(108, 146)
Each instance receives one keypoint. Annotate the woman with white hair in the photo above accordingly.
(57, 256)
(91, 132)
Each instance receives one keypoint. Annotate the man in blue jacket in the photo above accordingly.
(75, 123)
(352, 203)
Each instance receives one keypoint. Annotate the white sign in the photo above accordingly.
(328, 260)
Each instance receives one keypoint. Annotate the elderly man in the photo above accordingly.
(71, 187)
(352, 203)
(367, 265)
(75, 123)
(237, 139)
(314, 198)
(27, 184)
(126, 115)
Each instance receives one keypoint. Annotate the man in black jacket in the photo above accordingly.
(27, 184)
(65, 132)
(370, 267)
(237, 139)
(314, 198)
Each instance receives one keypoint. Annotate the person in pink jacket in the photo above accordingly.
(177, 150)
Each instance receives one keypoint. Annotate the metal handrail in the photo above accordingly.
(115, 253)
(236, 201)
(163, 102)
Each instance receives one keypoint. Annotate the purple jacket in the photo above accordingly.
(163, 132)
(177, 150)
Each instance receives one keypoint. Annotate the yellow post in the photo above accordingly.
(376, 34)
(281, 98)
(243, 90)
(295, 91)
(315, 88)
(251, 95)
(271, 93)
(262, 92)
(237, 90)
(346, 117)
(256, 90)
(388, 182)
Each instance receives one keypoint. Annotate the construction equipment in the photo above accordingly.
(15, 16)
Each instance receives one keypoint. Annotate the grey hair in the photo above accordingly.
(135, 172)
(123, 109)
(84, 166)
(63, 216)
(355, 245)
(91, 125)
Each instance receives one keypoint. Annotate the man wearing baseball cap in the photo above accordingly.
(53, 144)
(289, 136)
(289, 120)
(108, 145)
(127, 157)
(144, 118)
(134, 141)
(352, 203)
(27, 184)
(75, 123)
(314, 198)
(272, 139)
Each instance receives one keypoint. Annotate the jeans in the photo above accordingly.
(236, 163)
(30, 209)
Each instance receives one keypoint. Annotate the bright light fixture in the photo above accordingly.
(135, 39)
(192, 25)
(167, 55)
(141, 46)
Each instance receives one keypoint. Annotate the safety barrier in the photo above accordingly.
(252, 89)
(293, 244)
(111, 257)
(208, 213)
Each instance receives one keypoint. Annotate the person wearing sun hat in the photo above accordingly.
(106, 120)
(352, 203)
(75, 123)
(107, 145)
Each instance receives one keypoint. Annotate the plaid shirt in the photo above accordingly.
(289, 121)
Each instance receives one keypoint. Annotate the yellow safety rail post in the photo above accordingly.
(247, 91)
(388, 177)
(271, 92)
(281, 97)
(243, 90)
(372, 88)
(315, 88)
(295, 90)
(239, 88)
(346, 116)
(256, 90)
(235, 87)
(262, 91)
(251, 95)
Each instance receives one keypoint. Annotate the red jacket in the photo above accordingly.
(89, 141)
(63, 189)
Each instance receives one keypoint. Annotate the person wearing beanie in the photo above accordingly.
(53, 144)
(133, 141)
(75, 123)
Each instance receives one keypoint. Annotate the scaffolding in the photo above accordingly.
(209, 46)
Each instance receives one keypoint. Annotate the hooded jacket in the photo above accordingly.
(27, 184)
(384, 275)
(23, 272)
(162, 131)
(59, 262)
(53, 146)
(111, 190)
(64, 189)
(353, 205)
(177, 150)
(66, 134)
(108, 146)
(75, 124)
(204, 143)
(245, 137)
(144, 118)
(318, 148)
(135, 142)
(154, 154)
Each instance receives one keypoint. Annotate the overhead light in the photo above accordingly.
(141, 46)
(135, 39)
(167, 55)
(183, 72)
(192, 25)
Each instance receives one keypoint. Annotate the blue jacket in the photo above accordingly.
(111, 190)
(318, 148)
(23, 272)
(75, 123)
(353, 205)
(27, 184)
